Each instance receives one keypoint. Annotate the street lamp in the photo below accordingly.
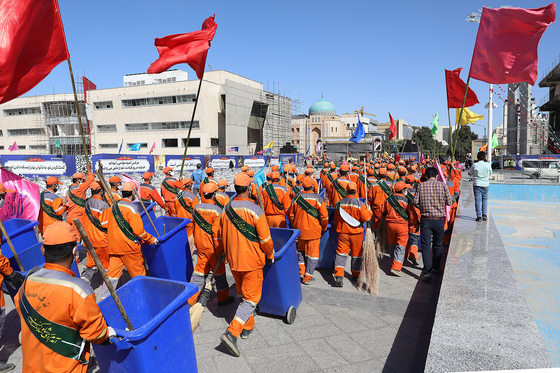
(480, 125)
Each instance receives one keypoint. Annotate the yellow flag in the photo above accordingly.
(270, 144)
(468, 116)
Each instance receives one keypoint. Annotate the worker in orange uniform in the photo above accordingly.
(379, 192)
(254, 188)
(391, 172)
(77, 195)
(208, 179)
(309, 172)
(116, 184)
(338, 186)
(349, 216)
(248, 245)
(209, 245)
(52, 206)
(292, 170)
(186, 202)
(353, 174)
(97, 212)
(55, 306)
(124, 233)
(169, 191)
(149, 193)
(413, 224)
(222, 199)
(277, 202)
(308, 214)
(398, 213)
(324, 175)
(331, 176)
(366, 183)
(454, 192)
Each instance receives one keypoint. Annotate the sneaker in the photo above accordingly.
(427, 277)
(6, 367)
(396, 273)
(230, 300)
(338, 282)
(479, 219)
(412, 260)
(231, 343)
(246, 333)
(309, 281)
(355, 280)
(484, 217)
(436, 271)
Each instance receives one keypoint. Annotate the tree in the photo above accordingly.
(463, 143)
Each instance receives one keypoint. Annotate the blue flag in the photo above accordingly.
(120, 147)
(359, 132)
(308, 147)
(135, 147)
(260, 177)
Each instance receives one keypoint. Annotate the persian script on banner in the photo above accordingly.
(24, 203)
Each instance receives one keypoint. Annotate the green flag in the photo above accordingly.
(435, 123)
(57, 144)
(494, 140)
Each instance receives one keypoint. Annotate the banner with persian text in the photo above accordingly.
(255, 161)
(190, 162)
(40, 165)
(219, 162)
(124, 163)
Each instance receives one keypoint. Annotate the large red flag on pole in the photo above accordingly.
(456, 90)
(191, 48)
(32, 43)
(506, 49)
(392, 128)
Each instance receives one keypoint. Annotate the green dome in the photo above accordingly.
(322, 107)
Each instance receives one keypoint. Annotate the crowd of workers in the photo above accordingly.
(396, 196)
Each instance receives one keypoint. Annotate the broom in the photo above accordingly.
(197, 310)
(191, 244)
(382, 241)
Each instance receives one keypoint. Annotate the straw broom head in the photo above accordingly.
(191, 243)
(382, 241)
(369, 274)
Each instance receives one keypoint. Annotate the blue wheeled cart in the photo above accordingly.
(322, 193)
(150, 207)
(21, 234)
(281, 292)
(162, 339)
(171, 259)
(231, 195)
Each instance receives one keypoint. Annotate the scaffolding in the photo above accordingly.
(276, 110)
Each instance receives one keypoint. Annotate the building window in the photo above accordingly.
(22, 111)
(193, 142)
(21, 147)
(153, 101)
(161, 126)
(142, 145)
(169, 143)
(214, 142)
(26, 132)
(31, 147)
(106, 128)
(1, 147)
(108, 146)
(103, 105)
(1, 133)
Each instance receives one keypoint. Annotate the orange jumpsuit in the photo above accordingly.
(209, 249)
(210, 180)
(222, 199)
(169, 193)
(353, 176)
(334, 175)
(335, 196)
(276, 216)
(54, 203)
(149, 193)
(397, 229)
(58, 296)
(122, 250)
(454, 192)
(311, 228)
(100, 210)
(377, 198)
(350, 238)
(191, 200)
(413, 230)
(5, 270)
(324, 178)
(78, 191)
(246, 260)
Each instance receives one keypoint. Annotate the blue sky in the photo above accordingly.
(383, 55)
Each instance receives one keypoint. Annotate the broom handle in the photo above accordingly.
(5, 233)
(146, 211)
(101, 270)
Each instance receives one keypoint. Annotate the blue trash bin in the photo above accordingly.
(172, 258)
(150, 207)
(281, 292)
(21, 234)
(322, 193)
(30, 258)
(162, 339)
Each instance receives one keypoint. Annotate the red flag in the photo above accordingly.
(456, 90)
(392, 128)
(507, 42)
(32, 43)
(191, 48)
(88, 86)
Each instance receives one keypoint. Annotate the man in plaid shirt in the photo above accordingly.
(432, 196)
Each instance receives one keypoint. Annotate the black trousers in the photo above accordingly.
(431, 236)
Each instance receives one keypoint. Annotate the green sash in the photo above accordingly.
(340, 190)
(307, 207)
(246, 229)
(410, 198)
(206, 180)
(169, 188)
(184, 204)
(368, 183)
(397, 207)
(94, 220)
(329, 176)
(48, 209)
(384, 187)
(60, 339)
(219, 204)
(77, 200)
(124, 226)
(454, 197)
(269, 189)
(202, 223)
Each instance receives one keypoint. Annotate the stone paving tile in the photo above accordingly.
(287, 358)
(349, 349)
(372, 365)
(324, 355)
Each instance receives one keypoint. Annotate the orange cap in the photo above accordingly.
(390, 166)
(307, 182)
(115, 179)
(351, 187)
(377, 165)
(269, 175)
(242, 179)
(401, 162)
(370, 171)
(167, 169)
(222, 183)
(300, 177)
(275, 167)
(251, 173)
(78, 175)
(402, 170)
(414, 167)
(209, 188)
(3, 189)
(209, 170)
(187, 181)
(400, 186)
(382, 171)
(58, 233)
(147, 175)
(333, 166)
(344, 167)
(308, 171)
(129, 186)
(244, 168)
(95, 185)
(354, 168)
(53, 180)
(276, 175)
(326, 165)
(410, 178)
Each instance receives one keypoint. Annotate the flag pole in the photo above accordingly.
(190, 128)
(460, 118)
(78, 110)
(451, 131)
